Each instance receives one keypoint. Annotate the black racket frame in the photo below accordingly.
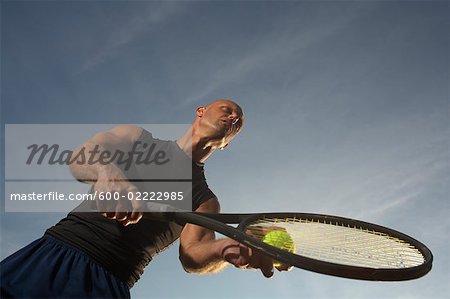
(218, 223)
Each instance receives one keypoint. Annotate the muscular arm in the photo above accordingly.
(200, 252)
(199, 249)
(119, 138)
(108, 177)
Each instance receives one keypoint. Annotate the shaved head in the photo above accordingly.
(220, 121)
(227, 101)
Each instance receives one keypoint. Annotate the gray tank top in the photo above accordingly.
(125, 251)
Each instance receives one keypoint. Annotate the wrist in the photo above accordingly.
(225, 246)
(109, 172)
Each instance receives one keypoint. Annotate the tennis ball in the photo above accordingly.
(279, 239)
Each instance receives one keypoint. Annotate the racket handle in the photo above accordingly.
(161, 212)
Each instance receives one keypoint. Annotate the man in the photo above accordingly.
(102, 254)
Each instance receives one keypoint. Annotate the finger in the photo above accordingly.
(236, 254)
(121, 211)
(123, 207)
(138, 205)
(134, 217)
(101, 205)
(284, 267)
(236, 259)
(249, 251)
(137, 208)
(108, 208)
(266, 265)
(126, 221)
(244, 257)
(121, 216)
(262, 262)
(110, 215)
(267, 271)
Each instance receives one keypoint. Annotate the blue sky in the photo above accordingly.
(346, 104)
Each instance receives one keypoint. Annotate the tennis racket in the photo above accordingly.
(325, 244)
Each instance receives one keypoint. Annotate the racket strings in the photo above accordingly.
(361, 248)
(342, 244)
(350, 247)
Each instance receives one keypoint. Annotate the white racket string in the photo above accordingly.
(342, 244)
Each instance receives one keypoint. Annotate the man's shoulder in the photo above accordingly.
(131, 132)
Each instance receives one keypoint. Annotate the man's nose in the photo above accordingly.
(234, 117)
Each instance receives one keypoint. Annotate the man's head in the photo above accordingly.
(219, 122)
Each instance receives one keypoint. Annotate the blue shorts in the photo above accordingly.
(50, 268)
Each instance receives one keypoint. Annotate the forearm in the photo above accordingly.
(204, 257)
(86, 168)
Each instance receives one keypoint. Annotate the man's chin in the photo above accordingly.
(217, 133)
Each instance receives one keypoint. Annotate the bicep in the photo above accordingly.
(118, 138)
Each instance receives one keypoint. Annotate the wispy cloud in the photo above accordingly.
(397, 188)
(283, 43)
(152, 14)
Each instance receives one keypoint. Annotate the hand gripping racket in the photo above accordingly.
(325, 244)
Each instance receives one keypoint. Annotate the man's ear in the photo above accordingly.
(200, 111)
(223, 147)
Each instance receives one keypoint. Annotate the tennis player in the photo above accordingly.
(102, 253)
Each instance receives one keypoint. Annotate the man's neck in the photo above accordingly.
(195, 146)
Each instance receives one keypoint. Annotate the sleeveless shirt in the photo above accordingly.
(126, 250)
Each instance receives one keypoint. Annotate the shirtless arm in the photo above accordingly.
(201, 252)
(109, 177)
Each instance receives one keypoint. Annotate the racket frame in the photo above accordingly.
(218, 223)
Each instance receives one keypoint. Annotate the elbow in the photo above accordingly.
(199, 263)
(74, 169)
(189, 264)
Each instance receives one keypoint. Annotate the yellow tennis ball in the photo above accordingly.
(279, 239)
